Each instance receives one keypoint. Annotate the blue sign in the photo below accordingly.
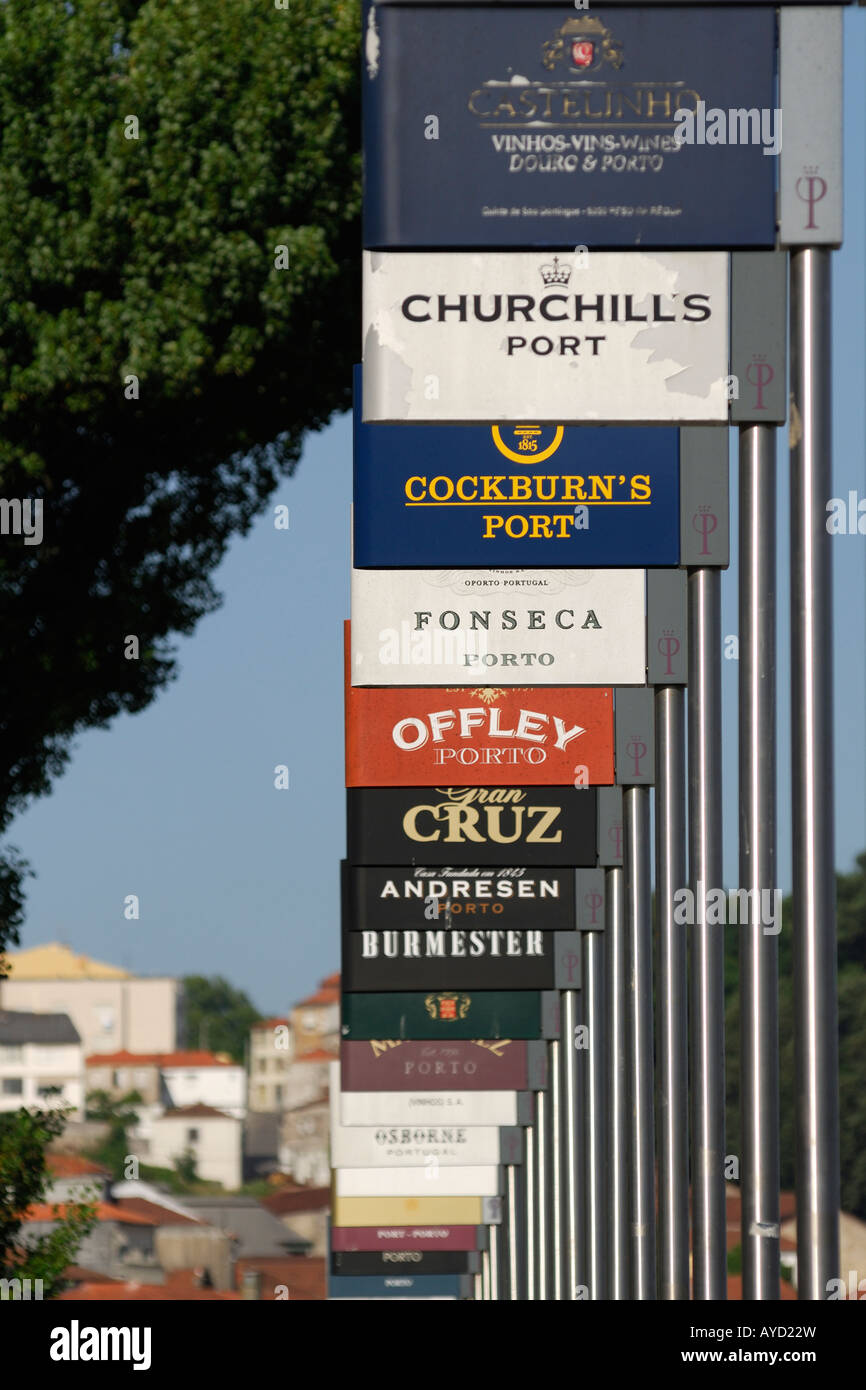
(545, 127)
(396, 1286)
(515, 496)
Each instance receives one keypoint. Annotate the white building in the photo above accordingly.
(271, 1051)
(111, 1008)
(41, 1062)
(213, 1138)
(204, 1079)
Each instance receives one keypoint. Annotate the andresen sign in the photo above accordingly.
(548, 627)
(629, 337)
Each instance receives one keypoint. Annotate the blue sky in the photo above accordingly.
(178, 804)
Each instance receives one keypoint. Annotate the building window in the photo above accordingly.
(192, 1136)
(13, 1052)
(13, 1086)
(115, 1078)
(278, 1095)
(49, 1088)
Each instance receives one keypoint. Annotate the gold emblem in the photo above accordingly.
(447, 1007)
(585, 45)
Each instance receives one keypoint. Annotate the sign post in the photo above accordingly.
(704, 550)
(810, 66)
(635, 770)
(667, 626)
(759, 284)
(590, 894)
(610, 853)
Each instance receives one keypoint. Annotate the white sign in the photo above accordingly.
(428, 1108)
(617, 336)
(408, 1145)
(429, 1181)
(498, 627)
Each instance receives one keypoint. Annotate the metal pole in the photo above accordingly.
(512, 1236)
(815, 1003)
(477, 1288)
(530, 1278)
(495, 1257)
(542, 1194)
(554, 1073)
(759, 956)
(596, 1114)
(485, 1271)
(709, 1225)
(640, 1042)
(617, 993)
(673, 1055)
(572, 1145)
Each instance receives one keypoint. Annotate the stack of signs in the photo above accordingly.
(517, 474)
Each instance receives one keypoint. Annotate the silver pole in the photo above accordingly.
(572, 1145)
(759, 957)
(477, 1287)
(554, 1073)
(495, 1257)
(640, 1042)
(709, 1227)
(617, 1018)
(530, 1278)
(542, 1194)
(512, 1236)
(596, 1115)
(673, 1056)
(485, 1271)
(814, 942)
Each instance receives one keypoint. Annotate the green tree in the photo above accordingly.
(24, 1179)
(218, 1016)
(851, 930)
(179, 258)
(120, 1115)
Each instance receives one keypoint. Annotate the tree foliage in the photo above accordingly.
(851, 927)
(218, 1016)
(157, 371)
(24, 1179)
(120, 1114)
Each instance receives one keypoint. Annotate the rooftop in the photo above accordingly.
(56, 961)
(163, 1060)
(20, 1027)
(73, 1166)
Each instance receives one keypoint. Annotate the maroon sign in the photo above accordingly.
(435, 1066)
(407, 1237)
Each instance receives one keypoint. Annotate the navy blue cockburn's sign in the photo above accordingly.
(461, 496)
(542, 126)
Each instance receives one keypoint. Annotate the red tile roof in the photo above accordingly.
(179, 1287)
(271, 1023)
(303, 1276)
(73, 1166)
(322, 996)
(297, 1199)
(105, 1211)
(201, 1112)
(159, 1216)
(331, 981)
(158, 1059)
(319, 1054)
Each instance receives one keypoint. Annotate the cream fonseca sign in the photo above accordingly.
(511, 627)
(455, 337)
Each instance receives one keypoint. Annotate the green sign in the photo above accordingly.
(444, 1014)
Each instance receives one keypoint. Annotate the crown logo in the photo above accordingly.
(555, 274)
